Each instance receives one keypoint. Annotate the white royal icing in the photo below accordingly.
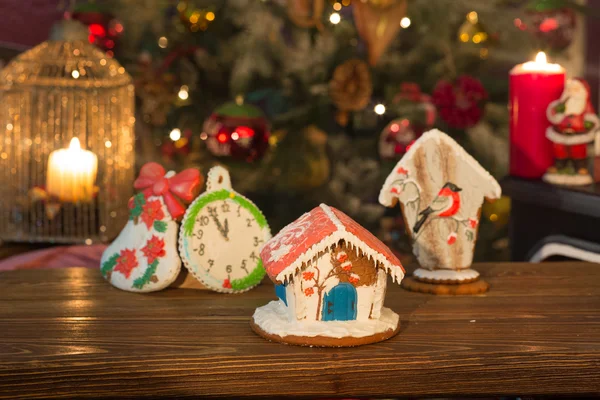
(273, 319)
(446, 274)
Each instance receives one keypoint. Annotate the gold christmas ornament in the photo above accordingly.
(473, 31)
(306, 13)
(378, 22)
(350, 88)
(51, 94)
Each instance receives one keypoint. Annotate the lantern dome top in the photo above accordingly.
(72, 64)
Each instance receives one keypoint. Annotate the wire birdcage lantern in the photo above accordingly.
(49, 95)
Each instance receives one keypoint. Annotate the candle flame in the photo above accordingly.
(540, 58)
(74, 145)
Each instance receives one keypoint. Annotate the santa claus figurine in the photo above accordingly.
(574, 126)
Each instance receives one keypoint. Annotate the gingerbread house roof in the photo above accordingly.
(302, 240)
(486, 185)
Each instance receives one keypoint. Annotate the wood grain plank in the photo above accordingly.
(67, 333)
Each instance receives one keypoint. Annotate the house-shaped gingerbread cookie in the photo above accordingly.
(330, 275)
(441, 189)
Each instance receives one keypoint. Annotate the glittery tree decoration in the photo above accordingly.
(50, 94)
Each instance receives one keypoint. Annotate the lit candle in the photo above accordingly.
(72, 173)
(533, 85)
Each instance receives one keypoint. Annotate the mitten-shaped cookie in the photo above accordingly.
(144, 257)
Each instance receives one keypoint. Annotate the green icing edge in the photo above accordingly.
(253, 279)
(109, 264)
(223, 194)
(140, 282)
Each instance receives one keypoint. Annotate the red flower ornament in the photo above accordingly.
(126, 262)
(472, 222)
(309, 291)
(460, 103)
(227, 284)
(155, 248)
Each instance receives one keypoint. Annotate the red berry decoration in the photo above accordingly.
(460, 103)
(236, 130)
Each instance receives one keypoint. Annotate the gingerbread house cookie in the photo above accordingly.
(330, 275)
(441, 189)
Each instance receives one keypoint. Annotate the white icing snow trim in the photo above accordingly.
(446, 274)
(340, 233)
(568, 180)
(439, 136)
(561, 138)
(273, 318)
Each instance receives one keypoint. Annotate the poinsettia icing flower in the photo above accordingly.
(307, 276)
(155, 248)
(227, 284)
(126, 262)
(152, 211)
(309, 291)
(472, 222)
(451, 238)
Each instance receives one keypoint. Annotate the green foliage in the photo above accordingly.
(143, 280)
(109, 264)
(160, 226)
(138, 201)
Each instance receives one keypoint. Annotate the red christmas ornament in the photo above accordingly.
(104, 29)
(555, 27)
(235, 130)
(460, 103)
(395, 138)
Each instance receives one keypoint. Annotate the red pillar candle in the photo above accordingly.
(533, 85)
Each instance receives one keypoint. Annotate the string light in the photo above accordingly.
(335, 18)
(337, 6)
(75, 74)
(235, 136)
(183, 92)
(472, 17)
(175, 134)
(379, 109)
(163, 42)
(405, 22)
(210, 16)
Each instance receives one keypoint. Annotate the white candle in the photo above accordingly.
(71, 173)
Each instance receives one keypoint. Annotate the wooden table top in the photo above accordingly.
(68, 333)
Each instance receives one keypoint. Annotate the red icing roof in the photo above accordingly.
(313, 232)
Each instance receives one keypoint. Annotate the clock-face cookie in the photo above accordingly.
(221, 236)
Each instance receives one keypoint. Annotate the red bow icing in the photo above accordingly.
(174, 189)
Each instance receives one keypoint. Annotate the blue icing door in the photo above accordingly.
(280, 292)
(340, 303)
